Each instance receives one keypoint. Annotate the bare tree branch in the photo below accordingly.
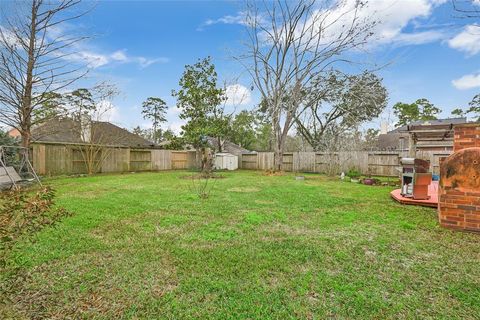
(290, 43)
(33, 54)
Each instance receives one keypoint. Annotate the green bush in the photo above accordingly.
(353, 173)
(22, 214)
(10, 155)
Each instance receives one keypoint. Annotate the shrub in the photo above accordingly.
(353, 173)
(22, 214)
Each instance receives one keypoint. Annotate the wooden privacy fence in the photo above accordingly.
(381, 163)
(57, 159)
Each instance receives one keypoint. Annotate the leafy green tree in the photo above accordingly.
(336, 103)
(51, 106)
(81, 102)
(422, 109)
(155, 110)
(243, 131)
(175, 142)
(264, 138)
(458, 112)
(371, 138)
(475, 107)
(144, 133)
(200, 102)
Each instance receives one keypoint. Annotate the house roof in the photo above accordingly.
(449, 121)
(228, 146)
(66, 130)
(14, 133)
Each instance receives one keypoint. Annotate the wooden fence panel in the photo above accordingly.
(38, 159)
(161, 160)
(179, 160)
(140, 160)
(249, 161)
(288, 161)
(357, 160)
(79, 164)
(116, 160)
(58, 159)
(383, 164)
(265, 160)
(304, 161)
(327, 162)
(191, 159)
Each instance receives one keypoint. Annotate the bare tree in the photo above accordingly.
(292, 42)
(34, 52)
(88, 109)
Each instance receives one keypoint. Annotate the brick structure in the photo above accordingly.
(459, 192)
(466, 136)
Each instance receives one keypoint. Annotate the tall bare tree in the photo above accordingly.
(292, 42)
(88, 109)
(34, 59)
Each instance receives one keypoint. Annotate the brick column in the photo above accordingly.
(459, 191)
(466, 136)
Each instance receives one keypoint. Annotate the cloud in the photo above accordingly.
(238, 95)
(173, 110)
(144, 62)
(393, 16)
(176, 126)
(468, 40)
(95, 60)
(119, 56)
(240, 18)
(107, 111)
(419, 37)
(466, 82)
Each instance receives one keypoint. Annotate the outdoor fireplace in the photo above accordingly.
(459, 205)
(415, 178)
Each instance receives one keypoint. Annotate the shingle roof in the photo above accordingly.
(228, 146)
(429, 122)
(66, 130)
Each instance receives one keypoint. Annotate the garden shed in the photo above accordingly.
(226, 161)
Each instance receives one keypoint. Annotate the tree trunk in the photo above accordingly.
(26, 138)
(26, 114)
(278, 159)
(278, 152)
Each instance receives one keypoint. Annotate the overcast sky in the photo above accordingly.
(143, 46)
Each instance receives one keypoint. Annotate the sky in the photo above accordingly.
(425, 49)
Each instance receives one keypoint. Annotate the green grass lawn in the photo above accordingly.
(143, 246)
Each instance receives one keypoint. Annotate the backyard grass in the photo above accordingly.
(143, 246)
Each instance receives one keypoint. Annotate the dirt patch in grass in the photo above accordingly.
(264, 202)
(273, 173)
(244, 189)
(201, 176)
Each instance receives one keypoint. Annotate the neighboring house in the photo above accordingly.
(226, 146)
(68, 131)
(437, 135)
(14, 133)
